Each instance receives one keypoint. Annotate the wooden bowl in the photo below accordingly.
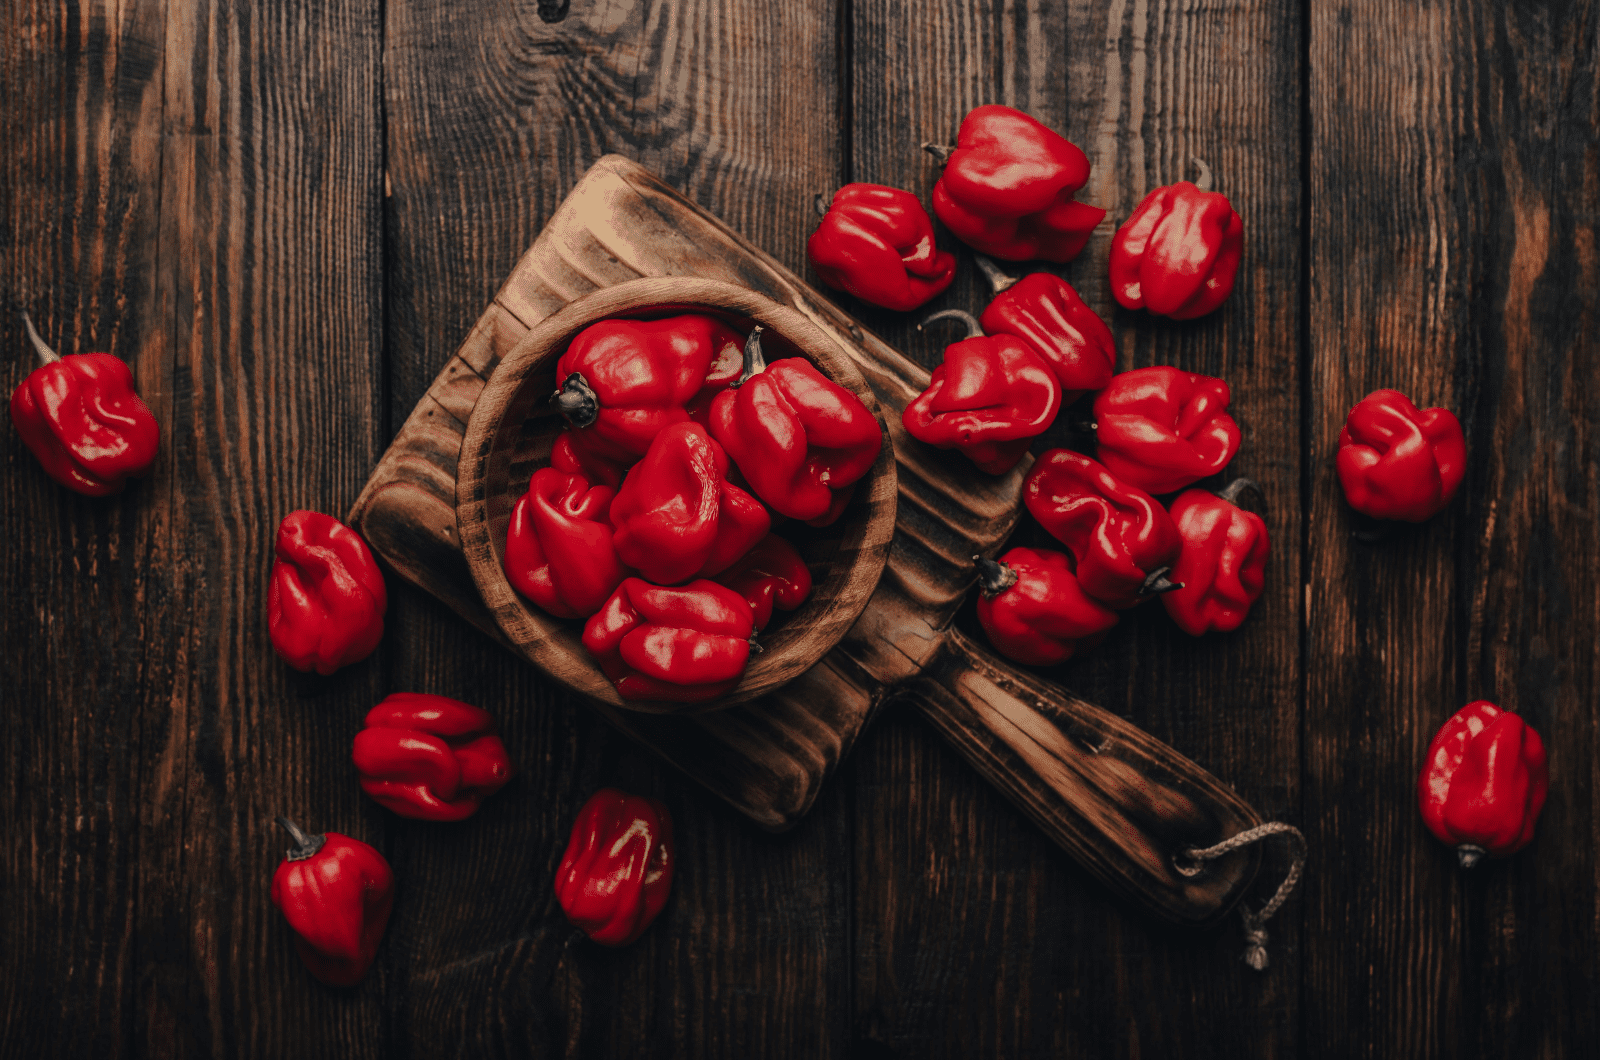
(513, 427)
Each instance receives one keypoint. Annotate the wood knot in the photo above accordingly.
(553, 10)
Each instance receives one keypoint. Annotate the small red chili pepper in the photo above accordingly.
(877, 243)
(336, 893)
(681, 645)
(677, 516)
(429, 757)
(1398, 462)
(326, 599)
(770, 574)
(617, 871)
(625, 380)
(1123, 542)
(1483, 783)
(1223, 565)
(1007, 188)
(800, 439)
(1033, 609)
(568, 456)
(80, 416)
(1162, 429)
(990, 398)
(1045, 312)
(559, 548)
(1178, 254)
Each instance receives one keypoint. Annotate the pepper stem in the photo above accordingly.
(577, 401)
(820, 204)
(755, 645)
(1469, 854)
(1232, 490)
(993, 578)
(46, 354)
(940, 151)
(304, 845)
(1205, 182)
(754, 361)
(974, 329)
(1158, 582)
(998, 280)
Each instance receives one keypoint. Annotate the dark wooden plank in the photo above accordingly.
(1463, 136)
(960, 884)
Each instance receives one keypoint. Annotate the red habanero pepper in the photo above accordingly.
(1483, 783)
(617, 870)
(80, 416)
(1045, 312)
(336, 893)
(770, 574)
(569, 456)
(624, 380)
(1123, 542)
(559, 549)
(1223, 565)
(677, 516)
(1178, 254)
(800, 439)
(1008, 185)
(877, 243)
(1162, 428)
(990, 398)
(1033, 609)
(430, 757)
(681, 645)
(326, 600)
(1398, 462)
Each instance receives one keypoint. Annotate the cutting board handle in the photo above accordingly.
(1121, 802)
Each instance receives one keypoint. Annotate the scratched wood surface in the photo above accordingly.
(286, 217)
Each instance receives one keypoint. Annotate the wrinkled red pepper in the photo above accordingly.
(625, 380)
(1123, 542)
(570, 457)
(770, 574)
(336, 893)
(430, 757)
(1483, 783)
(1007, 188)
(1162, 429)
(559, 550)
(877, 243)
(800, 439)
(1223, 565)
(1398, 462)
(1033, 609)
(680, 645)
(1178, 254)
(990, 398)
(677, 516)
(326, 599)
(80, 416)
(617, 870)
(1045, 312)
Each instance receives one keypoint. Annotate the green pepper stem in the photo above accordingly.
(974, 329)
(998, 281)
(1205, 181)
(304, 845)
(940, 151)
(993, 578)
(1158, 582)
(1232, 490)
(46, 354)
(755, 362)
(576, 401)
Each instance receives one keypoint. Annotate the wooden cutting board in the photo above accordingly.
(1120, 801)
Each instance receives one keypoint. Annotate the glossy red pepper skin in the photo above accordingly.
(326, 599)
(1178, 254)
(877, 243)
(336, 893)
(1122, 541)
(80, 417)
(429, 757)
(681, 645)
(1162, 429)
(623, 381)
(1397, 461)
(1007, 188)
(616, 873)
(772, 574)
(1483, 782)
(1034, 611)
(1223, 565)
(677, 516)
(1045, 312)
(572, 458)
(801, 440)
(559, 548)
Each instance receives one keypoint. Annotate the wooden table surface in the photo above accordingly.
(285, 216)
